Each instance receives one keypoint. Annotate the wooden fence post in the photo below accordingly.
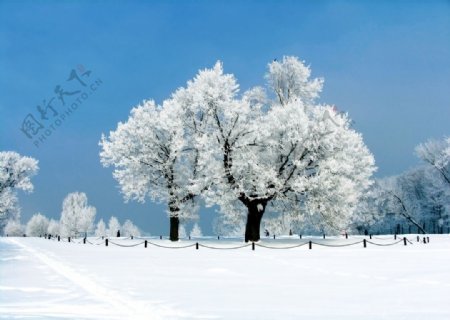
(253, 246)
(310, 244)
(84, 240)
(59, 238)
(145, 243)
(68, 239)
(106, 242)
(365, 243)
(196, 245)
(404, 241)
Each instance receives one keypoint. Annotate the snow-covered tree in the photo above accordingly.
(437, 154)
(14, 229)
(77, 217)
(182, 231)
(53, 227)
(37, 225)
(113, 227)
(229, 224)
(290, 153)
(280, 223)
(16, 172)
(245, 152)
(129, 229)
(152, 159)
(9, 207)
(100, 231)
(196, 231)
(398, 201)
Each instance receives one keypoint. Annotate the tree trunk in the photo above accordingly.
(174, 224)
(254, 217)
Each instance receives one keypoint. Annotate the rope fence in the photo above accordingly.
(106, 241)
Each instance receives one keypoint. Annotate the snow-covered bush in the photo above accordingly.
(129, 229)
(100, 231)
(196, 232)
(113, 227)
(77, 217)
(53, 227)
(182, 231)
(37, 225)
(14, 229)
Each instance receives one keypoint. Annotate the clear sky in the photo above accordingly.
(387, 63)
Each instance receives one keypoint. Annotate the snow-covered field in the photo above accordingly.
(44, 279)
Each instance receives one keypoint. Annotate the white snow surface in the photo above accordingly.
(46, 279)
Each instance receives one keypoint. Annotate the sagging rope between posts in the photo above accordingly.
(197, 245)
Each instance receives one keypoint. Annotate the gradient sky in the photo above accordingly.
(387, 63)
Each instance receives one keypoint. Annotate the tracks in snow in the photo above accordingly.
(124, 306)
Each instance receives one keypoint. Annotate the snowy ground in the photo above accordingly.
(44, 279)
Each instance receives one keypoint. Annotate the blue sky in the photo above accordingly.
(387, 63)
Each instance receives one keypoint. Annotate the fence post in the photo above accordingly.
(84, 240)
(424, 240)
(218, 237)
(274, 236)
(131, 237)
(404, 241)
(418, 239)
(106, 242)
(365, 243)
(395, 236)
(324, 235)
(68, 239)
(310, 244)
(428, 239)
(370, 236)
(253, 246)
(346, 235)
(300, 236)
(196, 245)
(160, 237)
(59, 238)
(145, 243)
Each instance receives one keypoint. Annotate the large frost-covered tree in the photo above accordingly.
(152, 159)
(16, 172)
(243, 152)
(37, 225)
(290, 152)
(77, 217)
